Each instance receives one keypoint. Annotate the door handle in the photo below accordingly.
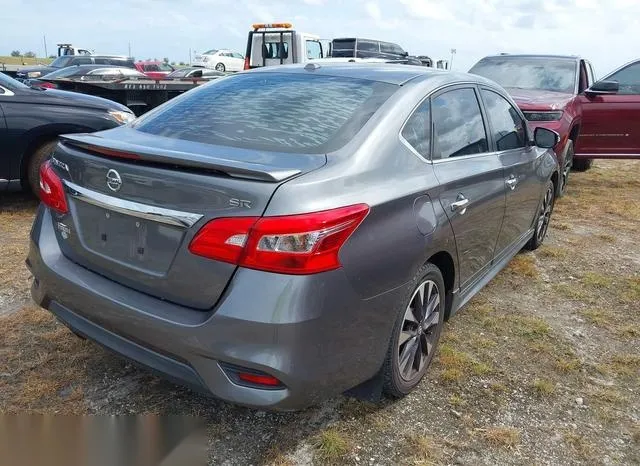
(512, 182)
(460, 204)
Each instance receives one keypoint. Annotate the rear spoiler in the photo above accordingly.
(234, 168)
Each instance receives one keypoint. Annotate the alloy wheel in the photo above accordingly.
(545, 215)
(419, 330)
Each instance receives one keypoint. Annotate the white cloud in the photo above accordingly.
(314, 2)
(433, 9)
(374, 11)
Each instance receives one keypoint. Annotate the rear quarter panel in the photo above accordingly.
(406, 223)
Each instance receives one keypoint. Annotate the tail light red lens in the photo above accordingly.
(246, 63)
(256, 379)
(51, 189)
(293, 244)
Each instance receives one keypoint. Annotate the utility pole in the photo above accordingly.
(129, 49)
(44, 39)
(453, 52)
(189, 57)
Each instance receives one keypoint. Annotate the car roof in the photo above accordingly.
(381, 72)
(523, 55)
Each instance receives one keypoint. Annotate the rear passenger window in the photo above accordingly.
(509, 130)
(458, 124)
(417, 129)
(81, 61)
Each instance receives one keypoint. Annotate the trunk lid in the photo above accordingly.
(135, 204)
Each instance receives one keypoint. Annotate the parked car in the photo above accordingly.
(220, 60)
(86, 72)
(195, 72)
(33, 120)
(547, 89)
(73, 60)
(154, 69)
(280, 236)
(610, 126)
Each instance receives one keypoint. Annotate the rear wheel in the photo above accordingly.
(582, 165)
(38, 157)
(220, 67)
(416, 332)
(566, 169)
(543, 218)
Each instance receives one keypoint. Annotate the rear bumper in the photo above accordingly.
(314, 333)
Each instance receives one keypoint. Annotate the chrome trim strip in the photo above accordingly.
(135, 209)
(6, 92)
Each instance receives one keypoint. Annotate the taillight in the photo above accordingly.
(46, 85)
(246, 63)
(293, 244)
(51, 189)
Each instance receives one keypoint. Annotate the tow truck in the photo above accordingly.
(272, 44)
(69, 49)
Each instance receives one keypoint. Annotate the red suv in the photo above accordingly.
(600, 120)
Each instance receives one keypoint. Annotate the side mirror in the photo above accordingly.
(545, 138)
(604, 87)
(196, 74)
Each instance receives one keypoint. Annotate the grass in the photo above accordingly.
(597, 317)
(331, 445)
(528, 327)
(596, 280)
(564, 366)
(543, 387)
(573, 291)
(456, 400)
(423, 450)
(609, 396)
(524, 265)
(579, 444)
(631, 290)
(458, 365)
(24, 60)
(606, 237)
(553, 252)
(502, 437)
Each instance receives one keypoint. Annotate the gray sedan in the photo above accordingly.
(285, 234)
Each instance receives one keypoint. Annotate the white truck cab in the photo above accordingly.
(69, 49)
(272, 44)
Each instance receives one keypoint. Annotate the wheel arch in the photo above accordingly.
(445, 263)
(35, 138)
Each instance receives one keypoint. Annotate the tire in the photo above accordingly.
(400, 379)
(38, 157)
(220, 67)
(542, 219)
(582, 165)
(566, 169)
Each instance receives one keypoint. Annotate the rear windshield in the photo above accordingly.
(271, 111)
(549, 74)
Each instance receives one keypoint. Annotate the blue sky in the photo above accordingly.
(608, 35)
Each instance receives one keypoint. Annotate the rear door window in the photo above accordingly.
(343, 48)
(417, 129)
(458, 124)
(271, 111)
(81, 61)
(509, 129)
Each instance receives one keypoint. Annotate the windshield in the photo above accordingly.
(548, 74)
(61, 62)
(10, 83)
(271, 111)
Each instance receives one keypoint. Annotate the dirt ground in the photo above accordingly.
(542, 367)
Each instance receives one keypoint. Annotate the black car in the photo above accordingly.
(31, 119)
(89, 72)
(72, 60)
